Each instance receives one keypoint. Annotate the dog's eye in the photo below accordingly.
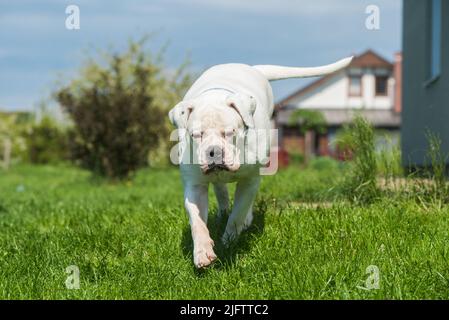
(197, 134)
(229, 132)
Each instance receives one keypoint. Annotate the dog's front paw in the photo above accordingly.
(248, 220)
(229, 236)
(204, 255)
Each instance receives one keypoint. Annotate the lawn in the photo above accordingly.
(132, 241)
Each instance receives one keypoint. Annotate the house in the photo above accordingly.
(369, 86)
(426, 78)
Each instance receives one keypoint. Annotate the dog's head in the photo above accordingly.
(216, 123)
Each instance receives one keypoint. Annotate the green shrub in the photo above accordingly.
(309, 121)
(46, 142)
(12, 143)
(324, 163)
(118, 107)
(296, 158)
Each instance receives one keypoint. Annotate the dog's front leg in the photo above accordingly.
(221, 192)
(196, 203)
(241, 216)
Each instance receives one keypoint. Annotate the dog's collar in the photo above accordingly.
(217, 88)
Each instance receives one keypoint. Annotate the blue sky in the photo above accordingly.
(36, 48)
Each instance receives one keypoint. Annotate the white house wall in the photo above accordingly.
(333, 94)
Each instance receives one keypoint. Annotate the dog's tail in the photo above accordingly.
(279, 72)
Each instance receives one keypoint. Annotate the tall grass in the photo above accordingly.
(429, 183)
(437, 161)
(360, 183)
(389, 161)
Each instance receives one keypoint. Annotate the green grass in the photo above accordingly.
(132, 240)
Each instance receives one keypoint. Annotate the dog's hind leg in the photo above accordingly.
(221, 192)
(196, 203)
(241, 216)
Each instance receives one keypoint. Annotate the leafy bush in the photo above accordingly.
(118, 107)
(309, 120)
(46, 142)
(12, 144)
(324, 163)
(296, 158)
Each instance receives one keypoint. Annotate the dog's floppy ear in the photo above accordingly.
(180, 114)
(245, 105)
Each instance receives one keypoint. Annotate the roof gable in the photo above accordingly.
(368, 59)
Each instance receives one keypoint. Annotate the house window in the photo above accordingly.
(435, 38)
(355, 85)
(381, 85)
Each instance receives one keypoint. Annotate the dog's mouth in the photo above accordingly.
(215, 168)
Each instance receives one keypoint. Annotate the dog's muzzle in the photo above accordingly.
(214, 156)
(216, 167)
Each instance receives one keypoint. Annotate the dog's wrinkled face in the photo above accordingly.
(213, 130)
(216, 125)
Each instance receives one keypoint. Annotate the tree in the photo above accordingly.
(118, 107)
(310, 122)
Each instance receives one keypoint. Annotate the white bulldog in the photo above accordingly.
(228, 104)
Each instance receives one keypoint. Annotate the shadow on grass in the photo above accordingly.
(227, 256)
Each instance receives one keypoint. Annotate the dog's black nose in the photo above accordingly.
(214, 155)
